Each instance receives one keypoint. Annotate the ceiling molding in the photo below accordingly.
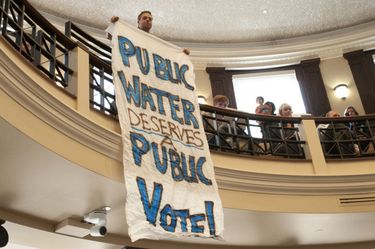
(283, 52)
(266, 53)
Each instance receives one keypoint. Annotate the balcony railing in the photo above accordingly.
(347, 137)
(36, 39)
(251, 134)
(227, 130)
(102, 94)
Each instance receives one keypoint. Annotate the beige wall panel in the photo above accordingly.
(202, 81)
(337, 71)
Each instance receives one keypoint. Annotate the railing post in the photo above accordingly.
(38, 48)
(4, 19)
(1, 13)
(79, 83)
(52, 50)
(68, 29)
(313, 149)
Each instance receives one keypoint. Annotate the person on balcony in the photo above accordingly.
(261, 107)
(271, 108)
(265, 125)
(221, 124)
(336, 138)
(285, 135)
(222, 129)
(144, 21)
(350, 111)
(267, 109)
(359, 129)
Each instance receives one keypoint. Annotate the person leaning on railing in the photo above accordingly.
(359, 129)
(222, 124)
(350, 111)
(266, 126)
(337, 139)
(224, 127)
(285, 134)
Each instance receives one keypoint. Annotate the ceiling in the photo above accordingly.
(43, 188)
(220, 21)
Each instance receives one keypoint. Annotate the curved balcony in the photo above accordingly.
(57, 90)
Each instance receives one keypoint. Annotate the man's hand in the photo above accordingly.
(114, 19)
(186, 51)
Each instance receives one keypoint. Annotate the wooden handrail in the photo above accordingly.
(69, 26)
(47, 26)
(244, 115)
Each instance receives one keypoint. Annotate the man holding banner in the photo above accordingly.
(144, 23)
(169, 175)
(144, 20)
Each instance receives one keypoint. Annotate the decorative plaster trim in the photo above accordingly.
(25, 91)
(324, 45)
(294, 185)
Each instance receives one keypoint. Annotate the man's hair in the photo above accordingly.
(144, 11)
(221, 98)
(331, 113)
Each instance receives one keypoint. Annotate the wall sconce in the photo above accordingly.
(202, 99)
(341, 91)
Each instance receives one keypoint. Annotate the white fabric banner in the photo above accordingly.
(169, 175)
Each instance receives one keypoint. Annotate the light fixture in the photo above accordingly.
(341, 91)
(202, 99)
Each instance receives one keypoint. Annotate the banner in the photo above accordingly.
(169, 176)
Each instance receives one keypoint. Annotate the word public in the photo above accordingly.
(163, 67)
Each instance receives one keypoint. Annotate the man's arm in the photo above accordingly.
(109, 30)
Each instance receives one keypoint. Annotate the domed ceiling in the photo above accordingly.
(220, 21)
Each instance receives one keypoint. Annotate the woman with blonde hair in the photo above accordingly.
(288, 133)
(285, 110)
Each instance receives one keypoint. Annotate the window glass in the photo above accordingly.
(278, 87)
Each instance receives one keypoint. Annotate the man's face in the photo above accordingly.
(221, 104)
(145, 22)
(333, 114)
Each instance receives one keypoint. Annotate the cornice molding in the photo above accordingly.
(26, 92)
(293, 184)
(324, 45)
